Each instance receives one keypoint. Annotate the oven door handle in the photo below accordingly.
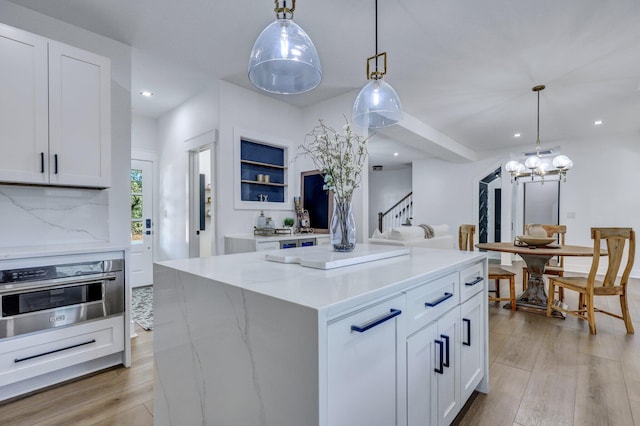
(26, 358)
(60, 283)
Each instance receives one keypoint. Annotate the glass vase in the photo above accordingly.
(343, 227)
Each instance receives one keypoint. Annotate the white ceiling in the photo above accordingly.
(464, 68)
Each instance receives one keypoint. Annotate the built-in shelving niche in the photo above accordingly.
(263, 174)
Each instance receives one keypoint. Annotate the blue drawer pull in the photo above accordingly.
(468, 323)
(474, 282)
(376, 321)
(441, 368)
(439, 301)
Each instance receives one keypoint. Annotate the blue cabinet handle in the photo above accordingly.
(441, 368)
(439, 301)
(474, 282)
(446, 357)
(468, 322)
(376, 321)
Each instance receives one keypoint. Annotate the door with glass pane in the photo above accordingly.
(141, 223)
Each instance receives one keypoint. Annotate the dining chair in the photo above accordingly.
(610, 285)
(496, 273)
(555, 266)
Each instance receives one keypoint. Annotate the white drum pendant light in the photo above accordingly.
(377, 105)
(283, 59)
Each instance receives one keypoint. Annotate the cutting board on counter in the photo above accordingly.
(321, 257)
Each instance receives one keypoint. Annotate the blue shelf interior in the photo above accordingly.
(256, 191)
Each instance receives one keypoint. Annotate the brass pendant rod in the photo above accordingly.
(538, 89)
(376, 35)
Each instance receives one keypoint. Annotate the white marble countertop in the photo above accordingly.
(24, 252)
(330, 291)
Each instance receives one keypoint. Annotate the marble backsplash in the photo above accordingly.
(32, 215)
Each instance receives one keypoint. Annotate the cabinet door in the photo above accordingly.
(362, 358)
(422, 355)
(80, 117)
(23, 107)
(472, 345)
(449, 379)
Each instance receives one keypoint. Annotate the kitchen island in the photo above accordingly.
(239, 340)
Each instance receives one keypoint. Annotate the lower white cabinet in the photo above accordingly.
(248, 243)
(363, 355)
(410, 356)
(446, 358)
(473, 345)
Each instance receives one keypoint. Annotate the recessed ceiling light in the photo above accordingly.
(516, 135)
(598, 123)
(146, 93)
(395, 154)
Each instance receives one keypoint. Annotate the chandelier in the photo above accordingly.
(377, 105)
(283, 59)
(535, 165)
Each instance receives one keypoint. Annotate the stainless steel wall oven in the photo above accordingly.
(47, 296)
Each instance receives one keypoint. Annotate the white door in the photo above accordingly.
(141, 223)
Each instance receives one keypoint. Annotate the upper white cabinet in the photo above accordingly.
(55, 113)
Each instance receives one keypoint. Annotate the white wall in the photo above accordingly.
(386, 187)
(195, 117)
(600, 190)
(144, 134)
(37, 213)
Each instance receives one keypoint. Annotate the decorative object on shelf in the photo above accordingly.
(340, 158)
(377, 105)
(535, 163)
(283, 59)
(288, 222)
(304, 224)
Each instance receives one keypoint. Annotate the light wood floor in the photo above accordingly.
(543, 371)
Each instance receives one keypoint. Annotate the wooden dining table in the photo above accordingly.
(534, 298)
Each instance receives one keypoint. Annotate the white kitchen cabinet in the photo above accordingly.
(433, 372)
(363, 354)
(448, 365)
(422, 388)
(472, 348)
(249, 242)
(355, 345)
(55, 113)
(446, 358)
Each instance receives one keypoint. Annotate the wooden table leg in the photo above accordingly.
(534, 298)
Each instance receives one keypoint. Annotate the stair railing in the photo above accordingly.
(400, 213)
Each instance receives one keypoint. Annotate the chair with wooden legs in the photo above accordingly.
(589, 287)
(556, 269)
(496, 273)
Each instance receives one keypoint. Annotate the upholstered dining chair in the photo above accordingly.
(610, 285)
(551, 268)
(496, 273)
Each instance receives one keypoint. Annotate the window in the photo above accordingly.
(136, 206)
